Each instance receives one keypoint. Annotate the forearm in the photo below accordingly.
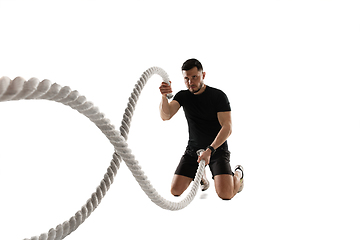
(164, 109)
(222, 136)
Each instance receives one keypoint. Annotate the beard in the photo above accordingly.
(200, 87)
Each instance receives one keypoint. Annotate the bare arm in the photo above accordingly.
(225, 131)
(167, 110)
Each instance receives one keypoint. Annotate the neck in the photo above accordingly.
(201, 90)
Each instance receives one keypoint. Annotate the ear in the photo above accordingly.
(203, 73)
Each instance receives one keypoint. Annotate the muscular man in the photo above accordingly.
(208, 114)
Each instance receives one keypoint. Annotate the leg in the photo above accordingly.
(227, 186)
(185, 173)
(179, 184)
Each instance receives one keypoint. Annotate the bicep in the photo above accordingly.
(174, 107)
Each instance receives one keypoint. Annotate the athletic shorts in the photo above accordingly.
(219, 163)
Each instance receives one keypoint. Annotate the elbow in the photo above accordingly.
(229, 129)
(226, 130)
(165, 118)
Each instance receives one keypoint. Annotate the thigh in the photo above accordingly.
(188, 165)
(224, 185)
(179, 184)
(220, 163)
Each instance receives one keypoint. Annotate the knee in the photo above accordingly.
(225, 195)
(176, 192)
(179, 185)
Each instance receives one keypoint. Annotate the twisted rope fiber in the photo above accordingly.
(19, 89)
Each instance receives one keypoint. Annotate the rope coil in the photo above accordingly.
(19, 89)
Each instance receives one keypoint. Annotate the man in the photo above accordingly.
(208, 114)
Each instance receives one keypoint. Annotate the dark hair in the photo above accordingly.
(191, 63)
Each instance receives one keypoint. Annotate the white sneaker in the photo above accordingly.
(240, 168)
(204, 183)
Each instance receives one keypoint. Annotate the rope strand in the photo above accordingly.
(19, 89)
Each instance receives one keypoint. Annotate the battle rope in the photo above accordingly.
(19, 89)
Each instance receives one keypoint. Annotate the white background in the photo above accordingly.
(289, 68)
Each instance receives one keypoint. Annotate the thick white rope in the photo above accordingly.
(19, 89)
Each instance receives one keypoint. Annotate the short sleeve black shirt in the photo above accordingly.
(201, 114)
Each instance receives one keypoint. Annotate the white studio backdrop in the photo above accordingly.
(289, 68)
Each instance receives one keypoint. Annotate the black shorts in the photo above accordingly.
(219, 163)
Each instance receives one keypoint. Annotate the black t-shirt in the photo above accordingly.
(201, 114)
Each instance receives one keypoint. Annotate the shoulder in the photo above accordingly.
(216, 91)
(181, 96)
(220, 100)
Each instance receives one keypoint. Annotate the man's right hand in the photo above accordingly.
(165, 88)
